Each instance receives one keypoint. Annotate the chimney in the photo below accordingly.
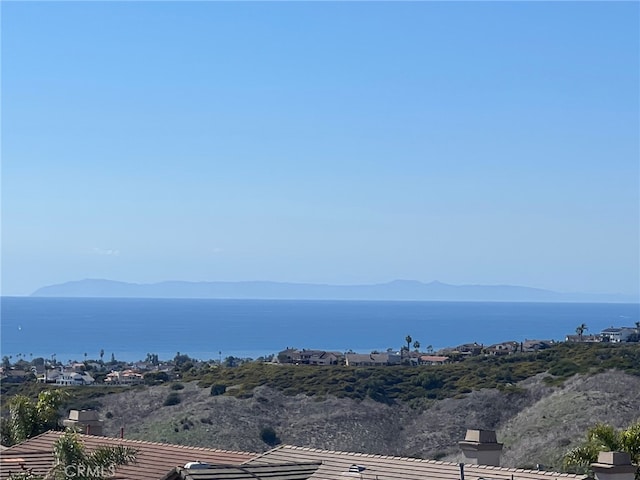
(84, 420)
(613, 466)
(480, 447)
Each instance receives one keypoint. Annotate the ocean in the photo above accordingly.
(209, 329)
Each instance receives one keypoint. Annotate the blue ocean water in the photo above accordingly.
(208, 329)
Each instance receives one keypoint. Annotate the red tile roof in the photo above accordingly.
(345, 465)
(153, 460)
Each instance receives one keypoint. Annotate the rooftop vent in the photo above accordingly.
(196, 465)
(356, 469)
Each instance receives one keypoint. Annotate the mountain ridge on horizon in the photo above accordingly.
(395, 290)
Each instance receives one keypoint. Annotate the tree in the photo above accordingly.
(416, 345)
(581, 329)
(101, 354)
(408, 339)
(605, 438)
(73, 461)
(28, 418)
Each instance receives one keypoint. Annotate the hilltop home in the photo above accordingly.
(126, 377)
(433, 360)
(617, 334)
(74, 378)
(503, 348)
(309, 357)
(583, 338)
(372, 359)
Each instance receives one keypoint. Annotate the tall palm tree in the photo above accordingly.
(408, 339)
(581, 329)
(416, 345)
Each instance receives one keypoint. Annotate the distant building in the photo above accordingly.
(372, 359)
(69, 378)
(126, 377)
(617, 334)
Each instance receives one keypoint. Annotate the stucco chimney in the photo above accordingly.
(85, 421)
(480, 447)
(613, 466)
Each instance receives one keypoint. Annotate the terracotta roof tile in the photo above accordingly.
(337, 465)
(153, 460)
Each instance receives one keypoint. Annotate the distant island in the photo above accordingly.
(398, 290)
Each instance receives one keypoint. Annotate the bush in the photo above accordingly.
(268, 436)
(172, 399)
(218, 389)
(177, 386)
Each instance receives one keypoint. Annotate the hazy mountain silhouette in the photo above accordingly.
(395, 290)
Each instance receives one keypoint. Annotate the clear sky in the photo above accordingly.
(344, 143)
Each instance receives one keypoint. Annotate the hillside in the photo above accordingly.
(536, 423)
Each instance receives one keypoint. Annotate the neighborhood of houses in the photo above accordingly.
(481, 457)
(128, 374)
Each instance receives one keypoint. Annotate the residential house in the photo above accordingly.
(153, 460)
(372, 359)
(481, 452)
(617, 334)
(583, 338)
(309, 357)
(16, 375)
(503, 348)
(71, 378)
(433, 360)
(125, 377)
(536, 345)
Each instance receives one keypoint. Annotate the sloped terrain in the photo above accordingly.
(536, 422)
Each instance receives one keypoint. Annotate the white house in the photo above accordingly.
(617, 334)
(74, 378)
(126, 377)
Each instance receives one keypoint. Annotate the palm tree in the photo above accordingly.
(72, 459)
(101, 354)
(605, 438)
(580, 330)
(408, 339)
(416, 346)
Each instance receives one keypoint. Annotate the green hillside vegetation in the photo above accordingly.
(413, 384)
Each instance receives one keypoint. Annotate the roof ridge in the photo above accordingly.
(260, 455)
(147, 442)
(425, 460)
(84, 436)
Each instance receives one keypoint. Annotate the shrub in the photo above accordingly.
(268, 436)
(218, 389)
(177, 386)
(172, 399)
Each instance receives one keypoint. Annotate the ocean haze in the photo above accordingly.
(397, 290)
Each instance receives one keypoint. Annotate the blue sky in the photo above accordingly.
(488, 143)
